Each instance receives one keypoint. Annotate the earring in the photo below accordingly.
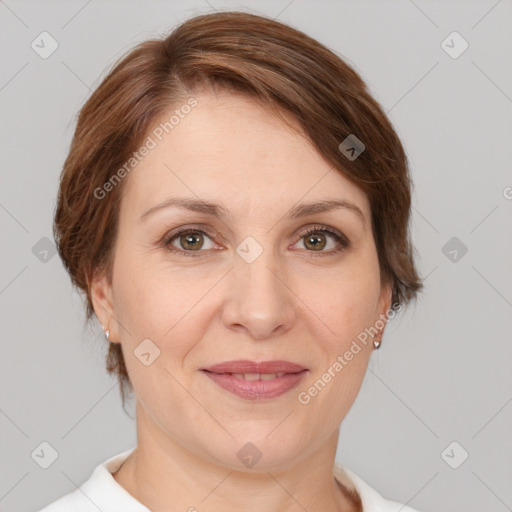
(376, 343)
(107, 334)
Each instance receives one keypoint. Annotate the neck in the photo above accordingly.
(164, 475)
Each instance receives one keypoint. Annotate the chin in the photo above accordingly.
(259, 451)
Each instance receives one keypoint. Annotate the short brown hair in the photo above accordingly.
(252, 55)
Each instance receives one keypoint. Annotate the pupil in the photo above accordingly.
(316, 241)
(191, 240)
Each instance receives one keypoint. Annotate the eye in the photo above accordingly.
(187, 241)
(190, 241)
(316, 238)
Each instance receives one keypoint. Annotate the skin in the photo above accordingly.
(295, 302)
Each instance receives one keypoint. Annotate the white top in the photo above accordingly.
(102, 492)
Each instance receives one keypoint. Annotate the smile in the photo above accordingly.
(257, 386)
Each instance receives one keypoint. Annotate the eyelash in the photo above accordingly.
(339, 238)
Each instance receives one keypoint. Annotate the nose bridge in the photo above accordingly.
(257, 277)
(258, 299)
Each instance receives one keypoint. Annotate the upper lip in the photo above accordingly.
(246, 366)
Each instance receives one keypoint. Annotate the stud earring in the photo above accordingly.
(376, 344)
(107, 333)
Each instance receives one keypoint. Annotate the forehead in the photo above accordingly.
(231, 148)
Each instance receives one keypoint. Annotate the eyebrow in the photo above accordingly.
(298, 211)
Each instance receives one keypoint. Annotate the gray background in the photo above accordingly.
(443, 373)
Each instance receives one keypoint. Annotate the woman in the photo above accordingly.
(235, 208)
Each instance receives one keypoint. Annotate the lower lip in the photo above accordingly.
(257, 389)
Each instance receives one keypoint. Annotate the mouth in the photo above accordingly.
(255, 376)
(244, 366)
(256, 381)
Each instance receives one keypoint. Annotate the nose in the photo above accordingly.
(258, 301)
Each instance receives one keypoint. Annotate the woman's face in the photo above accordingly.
(245, 282)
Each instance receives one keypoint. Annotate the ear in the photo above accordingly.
(384, 303)
(103, 304)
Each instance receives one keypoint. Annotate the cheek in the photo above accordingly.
(352, 311)
(347, 304)
(156, 302)
(346, 301)
(152, 305)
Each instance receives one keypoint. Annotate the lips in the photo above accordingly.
(256, 381)
(245, 366)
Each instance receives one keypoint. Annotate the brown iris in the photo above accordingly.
(192, 241)
(315, 241)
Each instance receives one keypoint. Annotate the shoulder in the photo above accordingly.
(99, 492)
(371, 499)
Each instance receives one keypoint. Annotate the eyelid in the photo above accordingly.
(322, 228)
(342, 241)
(170, 235)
